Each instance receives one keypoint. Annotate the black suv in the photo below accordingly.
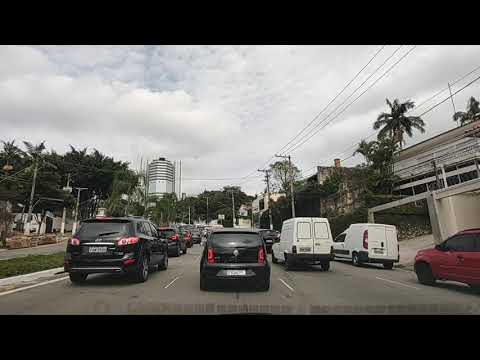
(232, 255)
(115, 245)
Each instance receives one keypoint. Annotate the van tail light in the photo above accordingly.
(365, 239)
(174, 237)
(74, 242)
(261, 255)
(294, 249)
(210, 256)
(127, 241)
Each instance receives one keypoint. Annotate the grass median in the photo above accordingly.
(30, 264)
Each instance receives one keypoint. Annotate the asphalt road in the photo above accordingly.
(342, 290)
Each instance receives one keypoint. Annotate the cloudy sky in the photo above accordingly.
(222, 110)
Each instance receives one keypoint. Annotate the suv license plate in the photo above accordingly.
(236, 272)
(97, 249)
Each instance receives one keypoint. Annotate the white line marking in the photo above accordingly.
(32, 286)
(408, 271)
(171, 282)
(288, 286)
(396, 282)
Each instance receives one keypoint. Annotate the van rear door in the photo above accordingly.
(392, 242)
(304, 239)
(377, 241)
(323, 240)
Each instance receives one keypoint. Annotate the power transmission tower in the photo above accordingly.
(267, 176)
(291, 180)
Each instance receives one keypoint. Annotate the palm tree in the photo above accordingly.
(395, 123)
(365, 148)
(10, 151)
(472, 114)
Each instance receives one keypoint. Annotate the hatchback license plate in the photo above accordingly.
(97, 249)
(236, 272)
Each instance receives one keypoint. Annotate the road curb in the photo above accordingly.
(30, 277)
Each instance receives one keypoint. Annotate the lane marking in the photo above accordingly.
(32, 286)
(396, 282)
(288, 286)
(408, 271)
(171, 282)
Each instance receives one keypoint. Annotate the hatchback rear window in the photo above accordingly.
(235, 239)
(103, 228)
(166, 233)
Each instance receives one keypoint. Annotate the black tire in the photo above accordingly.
(475, 288)
(164, 264)
(141, 273)
(325, 265)
(203, 284)
(424, 274)
(78, 278)
(265, 284)
(178, 252)
(274, 259)
(288, 263)
(388, 266)
(355, 259)
(185, 250)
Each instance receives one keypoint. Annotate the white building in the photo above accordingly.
(161, 177)
(260, 204)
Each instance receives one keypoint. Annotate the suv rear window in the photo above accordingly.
(235, 239)
(166, 233)
(103, 228)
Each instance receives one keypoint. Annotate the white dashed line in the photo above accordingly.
(288, 286)
(396, 282)
(32, 286)
(171, 282)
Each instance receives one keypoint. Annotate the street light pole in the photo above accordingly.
(30, 207)
(291, 181)
(267, 174)
(75, 225)
(64, 214)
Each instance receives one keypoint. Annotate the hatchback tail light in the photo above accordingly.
(365, 239)
(210, 256)
(174, 237)
(261, 255)
(74, 241)
(127, 241)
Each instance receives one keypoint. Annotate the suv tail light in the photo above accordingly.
(365, 239)
(127, 241)
(261, 255)
(74, 241)
(174, 237)
(210, 256)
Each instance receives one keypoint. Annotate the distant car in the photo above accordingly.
(176, 243)
(196, 237)
(115, 245)
(232, 255)
(188, 238)
(456, 259)
(368, 243)
(269, 236)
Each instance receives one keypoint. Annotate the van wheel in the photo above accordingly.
(274, 259)
(288, 263)
(388, 266)
(78, 278)
(355, 259)
(325, 265)
(424, 274)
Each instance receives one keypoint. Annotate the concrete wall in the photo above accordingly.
(458, 213)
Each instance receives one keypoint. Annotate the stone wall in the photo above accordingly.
(23, 241)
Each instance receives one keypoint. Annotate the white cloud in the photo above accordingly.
(222, 110)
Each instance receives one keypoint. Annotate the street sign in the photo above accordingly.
(221, 217)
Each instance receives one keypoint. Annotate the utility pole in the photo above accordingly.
(252, 215)
(291, 181)
(64, 215)
(189, 215)
(206, 222)
(233, 210)
(267, 175)
(146, 187)
(451, 98)
(30, 207)
(75, 225)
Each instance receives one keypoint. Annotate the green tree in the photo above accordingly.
(365, 148)
(395, 123)
(281, 174)
(10, 155)
(472, 114)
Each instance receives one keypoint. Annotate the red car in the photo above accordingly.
(456, 259)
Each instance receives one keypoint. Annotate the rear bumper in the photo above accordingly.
(97, 266)
(253, 271)
(311, 258)
(363, 256)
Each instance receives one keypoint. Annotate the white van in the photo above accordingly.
(304, 240)
(368, 243)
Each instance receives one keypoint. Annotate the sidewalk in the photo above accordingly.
(37, 250)
(409, 248)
